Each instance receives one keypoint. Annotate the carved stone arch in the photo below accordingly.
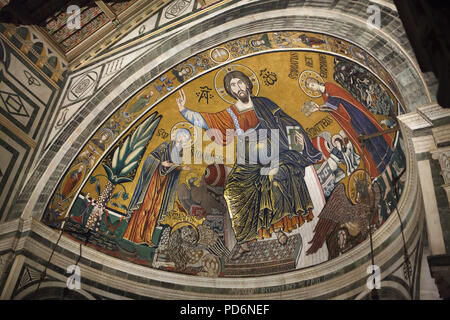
(52, 291)
(143, 70)
(390, 290)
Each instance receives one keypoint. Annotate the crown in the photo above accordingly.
(179, 217)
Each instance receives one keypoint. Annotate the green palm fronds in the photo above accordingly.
(126, 157)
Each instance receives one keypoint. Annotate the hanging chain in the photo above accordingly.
(62, 230)
(366, 200)
(407, 269)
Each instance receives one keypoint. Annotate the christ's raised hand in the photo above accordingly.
(193, 117)
(181, 101)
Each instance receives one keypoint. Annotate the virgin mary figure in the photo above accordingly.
(155, 191)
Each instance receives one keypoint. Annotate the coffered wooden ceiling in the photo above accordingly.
(50, 17)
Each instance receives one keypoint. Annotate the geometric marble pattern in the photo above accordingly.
(25, 99)
(13, 104)
(12, 153)
(151, 26)
(6, 157)
(176, 9)
(82, 85)
(15, 108)
(29, 275)
(24, 93)
(29, 43)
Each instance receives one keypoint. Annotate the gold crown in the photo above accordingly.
(179, 217)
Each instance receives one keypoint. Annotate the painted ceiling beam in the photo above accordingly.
(83, 54)
(107, 10)
(3, 3)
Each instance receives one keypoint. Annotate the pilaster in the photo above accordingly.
(430, 126)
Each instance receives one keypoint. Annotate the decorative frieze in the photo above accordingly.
(414, 121)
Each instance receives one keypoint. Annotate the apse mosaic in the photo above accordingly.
(266, 154)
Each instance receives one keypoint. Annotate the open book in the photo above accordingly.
(293, 144)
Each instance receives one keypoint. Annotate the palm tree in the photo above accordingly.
(125, 159)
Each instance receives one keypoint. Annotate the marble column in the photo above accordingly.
(430, 125)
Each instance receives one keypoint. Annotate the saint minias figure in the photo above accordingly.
(355, 120)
